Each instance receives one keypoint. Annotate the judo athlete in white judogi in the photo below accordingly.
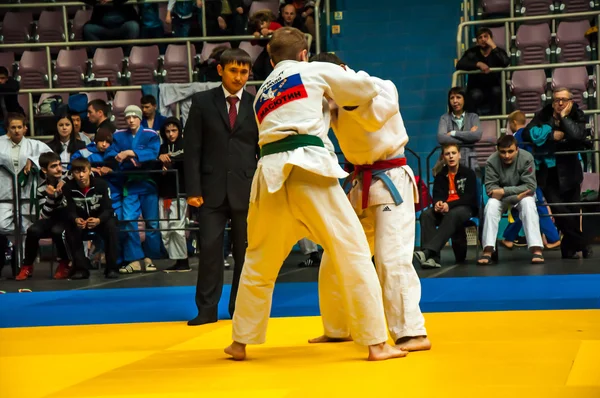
(387, 213)
(20, 155)
(296, 194)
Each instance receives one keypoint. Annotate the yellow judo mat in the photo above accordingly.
(479, 354)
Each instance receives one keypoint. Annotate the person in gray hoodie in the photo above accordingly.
(510, 181)
(460, 127)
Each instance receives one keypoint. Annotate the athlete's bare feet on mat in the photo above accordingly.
(237, 351)
(383, 351)
(418, 343)
(327, 339)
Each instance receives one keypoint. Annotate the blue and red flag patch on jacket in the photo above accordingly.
(279, 93)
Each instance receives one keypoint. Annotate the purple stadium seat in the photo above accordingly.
(108, 62)
(536, 7)
(16, 28)
(499, 34)
(7, 60)
(176, 63)
(254, 51)
(571, 40)
(533, 44)
(33, 69)
(208, 48)
(64, 96)
(24, 102)
(571, 6)
(92, 95)
(51, 29)
(486, 144)
(143, 64)
(121, 101)
(80, 19)
(575, 79)
(272, 5)
(527, 88)
(71, 67)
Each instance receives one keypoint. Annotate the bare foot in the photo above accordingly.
(327, 339)
(222, 23)
(237, 351)
(383, 351)
(419, 343)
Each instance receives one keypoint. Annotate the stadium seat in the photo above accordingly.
(254, 51)
(498, 32)
(571, 6)
(272, 5)
(533, 44)
(208, 48)
(16, 28)
(486, 146)
(33, 69)
(528, 88)
(80, 19)
(71, 68)
(24, 102)
(122, 100)
(572, 45)
(575, 79)
(143, 65)
(176, 63)
(64, 96)
(8, 60)
(92, 95)
(51, 29)
(108, 62)
(530, 8)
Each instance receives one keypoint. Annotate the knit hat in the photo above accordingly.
(133, 110)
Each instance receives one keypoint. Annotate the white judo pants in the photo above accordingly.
(308, 246)
(174, 241)
(390, 231)
(315, 206)
(527, 213)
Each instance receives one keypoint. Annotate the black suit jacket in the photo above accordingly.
(220, 162)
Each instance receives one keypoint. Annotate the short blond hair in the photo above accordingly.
(286, 44)
(517, 117)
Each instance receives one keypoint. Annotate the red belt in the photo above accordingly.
(367, 174)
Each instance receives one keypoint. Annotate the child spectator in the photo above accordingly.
(152, 119)
(90, 210)
(262, 23)
(52, 219)
(76, 119)
(171, 206)
(179, 15)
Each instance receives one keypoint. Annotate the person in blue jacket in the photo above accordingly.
(136, 148)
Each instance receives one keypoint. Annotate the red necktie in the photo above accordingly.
(233, 100)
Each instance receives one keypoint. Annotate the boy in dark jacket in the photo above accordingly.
(90, 210)
(170, 205)
(455, 202)
(53, 210)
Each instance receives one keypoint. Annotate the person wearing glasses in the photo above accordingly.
(559, 127)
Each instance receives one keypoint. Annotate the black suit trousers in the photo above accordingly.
(212, 222)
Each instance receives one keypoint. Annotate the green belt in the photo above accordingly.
(290, 143)
(22, 181)
(136, 178)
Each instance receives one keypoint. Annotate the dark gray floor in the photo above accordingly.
(511, 262)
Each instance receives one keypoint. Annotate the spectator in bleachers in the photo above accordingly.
(517, 122)
(288, 17)
(460, 127)
(90, 210)
(179, 15)
(510, 181)
(97, 112)
(152, 119)
(262, 23)
(560, 126)
(135, 148)
(9, 103)
(305, 11)
(51, 224)
(151, 24)
(66, 141)
(225, 17)
(171, 157)
(484, 92)
(111, 20)
(455, 202)
(20, 154)
(76, 119)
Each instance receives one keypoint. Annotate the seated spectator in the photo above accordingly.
(455, 202)
(90, 211)
(517, 123)
(289, 18)
(66, 141)
(560, 126)
(460, 127)
(9, 102)
(133, 149)
(97, 112)
(51, 224)
(76, 119)
(305, 11)
(484, 92)
(111, 20)
(171, 206)
(152, 119)
(262, 23)
(20, 154)
(510, 181)
(179, 15)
